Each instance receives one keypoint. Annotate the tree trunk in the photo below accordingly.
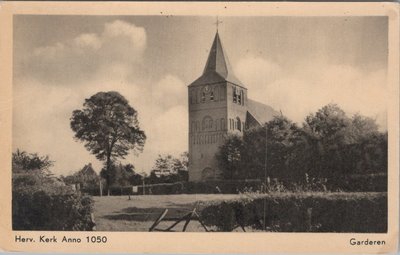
(108, 173)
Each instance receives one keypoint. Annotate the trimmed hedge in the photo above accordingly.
(304, 212)
(354, 183)
(43, 211)
(43, 203)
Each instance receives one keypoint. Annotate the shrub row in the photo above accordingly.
(43, 211)
(303, 212)
(353, 183)
(359, 183)
(41, 203)
(209, 187)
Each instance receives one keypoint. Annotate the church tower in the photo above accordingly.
(217, 108)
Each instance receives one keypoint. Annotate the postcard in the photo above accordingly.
(199, 127)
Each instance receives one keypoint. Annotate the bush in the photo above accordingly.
(303, 212)
(361, 182)
(44, 203)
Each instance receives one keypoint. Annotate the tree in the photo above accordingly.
(169, 169)
(330, 144)
(21, 160)
(265, 150)
(229, 157)
(181, 165)
(109, 127)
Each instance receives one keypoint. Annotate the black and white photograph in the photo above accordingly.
(129, 123)
(202, 123)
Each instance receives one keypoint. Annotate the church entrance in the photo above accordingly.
(208, 174)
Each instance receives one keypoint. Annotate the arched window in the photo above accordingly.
(234, 94)
(207, 123)
(198, 93)
(203, 97)
(212, 96)
(238, 124)
(216, 93)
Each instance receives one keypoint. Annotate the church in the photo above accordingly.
(218, 107)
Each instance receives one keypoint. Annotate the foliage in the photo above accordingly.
(168, 169)
(328, 145)
(86, 177)
(301, 212)
(23, 161)
(44, 211)
(230, 158)
(109, 127)
(43, 202)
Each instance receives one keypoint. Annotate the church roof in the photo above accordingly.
(217, 68)
(259, 112)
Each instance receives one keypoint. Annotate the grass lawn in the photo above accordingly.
(118, 213)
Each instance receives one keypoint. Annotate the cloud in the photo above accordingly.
(82, 66)
(170, 91)
(314, 84)
(88, 40)
(120, 30)
(251, 67)
(81, 57)
(41, 123)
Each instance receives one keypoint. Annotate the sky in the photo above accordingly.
(294, 64)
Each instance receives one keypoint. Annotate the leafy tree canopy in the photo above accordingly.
(109, 127)
(21, 160)
(328, 144)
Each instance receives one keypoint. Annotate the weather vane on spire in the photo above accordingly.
(217, 23)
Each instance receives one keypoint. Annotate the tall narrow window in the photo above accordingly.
(240, 98)
(234, 95)
(238, 124)
(212, 96)
(216, 93)
(222, 124)
(203, 97)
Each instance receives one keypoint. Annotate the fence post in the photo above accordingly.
(308, 220)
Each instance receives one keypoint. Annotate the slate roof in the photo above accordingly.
(217, 68)
(259, 112)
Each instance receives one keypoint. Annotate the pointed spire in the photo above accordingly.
(216, 59)
(217, 68)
